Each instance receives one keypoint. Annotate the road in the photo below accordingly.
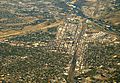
(28, 29)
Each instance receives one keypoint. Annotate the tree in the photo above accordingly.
(97, 18)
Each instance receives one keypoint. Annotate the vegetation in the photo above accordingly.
(39, 51)
(20, 64)
(37, 36)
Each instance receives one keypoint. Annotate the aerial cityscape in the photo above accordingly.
(59, 41)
